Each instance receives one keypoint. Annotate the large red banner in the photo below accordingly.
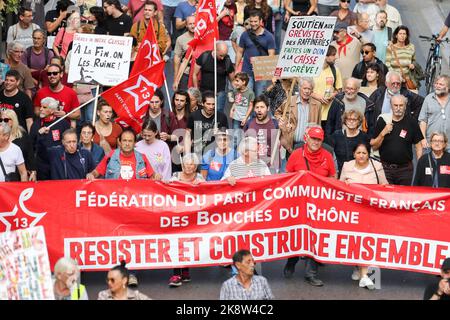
(156, 225)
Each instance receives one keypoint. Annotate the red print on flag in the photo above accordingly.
(148, 53)
(130, 98)
(215, 165)
(205, 32)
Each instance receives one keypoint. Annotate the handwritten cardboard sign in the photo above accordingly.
(264, 67)
(305, 46)
(102, 58)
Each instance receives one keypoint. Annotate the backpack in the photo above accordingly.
(28, 55)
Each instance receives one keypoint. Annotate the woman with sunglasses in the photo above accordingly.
(118, 281)
(20, 138)
(11, 158)
(344, 14)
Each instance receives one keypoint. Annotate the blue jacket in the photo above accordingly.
(96, 151)
(113, 167)
(65, 166)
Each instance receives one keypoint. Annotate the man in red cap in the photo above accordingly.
(314, 158)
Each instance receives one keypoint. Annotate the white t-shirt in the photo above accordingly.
(11, 158)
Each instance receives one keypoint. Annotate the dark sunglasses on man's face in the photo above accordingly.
(5, 120)
(348, 1)
(54, 73)
(363, 52)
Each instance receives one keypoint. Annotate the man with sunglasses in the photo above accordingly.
(67, 97)
(14, 99)
(382, 97)
(368, 52)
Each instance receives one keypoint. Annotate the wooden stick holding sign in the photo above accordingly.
(74, 110)
(287, 105)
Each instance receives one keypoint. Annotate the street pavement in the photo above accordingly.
(423, 17)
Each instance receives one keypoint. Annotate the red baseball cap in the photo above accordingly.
(315, 132)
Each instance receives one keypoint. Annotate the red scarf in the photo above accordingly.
(47, 120)
(343, 45)
(314, 158)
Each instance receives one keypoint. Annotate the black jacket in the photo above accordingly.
(413, 107)
(337, 108)
(424, 176)
(359, 71)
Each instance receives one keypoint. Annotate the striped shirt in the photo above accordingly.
(259, 289)
(239, 169)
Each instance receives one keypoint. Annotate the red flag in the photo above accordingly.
(206, 31)
(148, 53)
(130, 98)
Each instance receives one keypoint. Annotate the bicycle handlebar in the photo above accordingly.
(433, 38)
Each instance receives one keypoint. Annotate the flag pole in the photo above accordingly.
(167, 92)
(215, 84)
(285, 108)
(76, 109)
(95, 105)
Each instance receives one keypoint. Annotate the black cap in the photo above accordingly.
(446, 265)
(340, 25)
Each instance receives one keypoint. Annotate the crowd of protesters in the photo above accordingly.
(361, 120)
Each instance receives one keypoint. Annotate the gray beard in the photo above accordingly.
(441, 93)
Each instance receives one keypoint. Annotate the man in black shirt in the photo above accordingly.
(205, 66)
(14, 99)
(201, 125)
(117, 22)
(395, 139)
(67, 161)
(56, 19)
(441, 289)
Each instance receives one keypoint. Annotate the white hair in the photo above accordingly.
(50, 102)
(390, 74)
(302, 80)
(14, 45)
(246, 144)
(64, 264)
(191, 157)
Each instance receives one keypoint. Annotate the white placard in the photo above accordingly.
(102, 58)
(305, 46)
(24, 266)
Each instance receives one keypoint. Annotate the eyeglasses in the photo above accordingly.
(112, 280)
(352, 119)
(86, 133)
(5, 120)
(437, 141)
(348, 1)
(396, 83)
(363, 52)
(54, 73)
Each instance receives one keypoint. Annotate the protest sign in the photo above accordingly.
(24, 265)
(264, 67)
(305, 46)
(102, 58)
(156, 225)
